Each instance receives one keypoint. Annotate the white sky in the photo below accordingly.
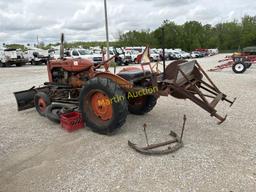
(22, 20)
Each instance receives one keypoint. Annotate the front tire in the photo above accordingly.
(239, 67)
(103, 105)
(41, 100)
(53, 112)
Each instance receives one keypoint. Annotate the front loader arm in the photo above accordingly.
(190, 81)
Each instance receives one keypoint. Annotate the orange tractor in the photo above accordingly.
(104, 99)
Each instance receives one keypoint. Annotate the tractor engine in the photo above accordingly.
(73, 79)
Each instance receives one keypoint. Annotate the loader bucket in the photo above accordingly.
(25, 99)
(187, 80)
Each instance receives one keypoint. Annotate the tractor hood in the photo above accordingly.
(70, 64)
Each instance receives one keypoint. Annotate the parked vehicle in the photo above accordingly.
(213, 51)
(37, 56)
(176, 54)
(9, 57)
(202, 51)
(139, 49)
(133, 54)
(122, 57)
(55, 54)
(168, 54)
(185, 55)
(154, 55)
(96, 58)
(196, 54)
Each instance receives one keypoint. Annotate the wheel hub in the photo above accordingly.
(42, 104)
(239, 67)
(101, 106)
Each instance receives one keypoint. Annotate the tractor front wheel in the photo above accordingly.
(41, 100)
(103, 105)
(142, 105)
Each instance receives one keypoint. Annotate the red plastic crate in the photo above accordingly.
(71, 121)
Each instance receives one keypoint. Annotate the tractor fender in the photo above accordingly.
(123, 83)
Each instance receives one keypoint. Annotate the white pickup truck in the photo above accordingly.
(96, 58)
(9, 57)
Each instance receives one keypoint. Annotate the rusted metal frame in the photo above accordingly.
(208, 90)
(205, 95)
(183, 127)
(216, 100)
(172, 149)
(207, 77)
(193, 82)
(193, 92)
(198, 91)
(223, 66)
(153, 146)
(209, 86)
(209, 96)
(153, 79)
(66, 101)
(224, 98)
(144, 64)
(150, 149)
(199, 102)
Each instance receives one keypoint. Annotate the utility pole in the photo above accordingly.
(106, 25)
(163, 49)
(37, 39)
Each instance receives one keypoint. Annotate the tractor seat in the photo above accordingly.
(133, 75)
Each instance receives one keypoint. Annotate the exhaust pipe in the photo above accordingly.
(62, 46)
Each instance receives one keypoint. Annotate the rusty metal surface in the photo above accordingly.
(185, 80)
(156, 149)
(119, 80)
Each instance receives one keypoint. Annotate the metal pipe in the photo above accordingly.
(145, 132)
(106, 26)
(163, 50)
(62, 46)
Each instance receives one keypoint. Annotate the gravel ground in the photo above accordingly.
(37, 155)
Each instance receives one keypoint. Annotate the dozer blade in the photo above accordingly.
(187, 80)
(25, 99)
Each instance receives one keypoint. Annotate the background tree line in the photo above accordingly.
(188, 36)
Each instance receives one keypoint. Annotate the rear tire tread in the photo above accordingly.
(122, 109)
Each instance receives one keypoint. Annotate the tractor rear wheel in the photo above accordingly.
(41, 100)
(103, 105)
(142, 105)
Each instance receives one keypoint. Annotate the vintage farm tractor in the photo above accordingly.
(104, 98)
